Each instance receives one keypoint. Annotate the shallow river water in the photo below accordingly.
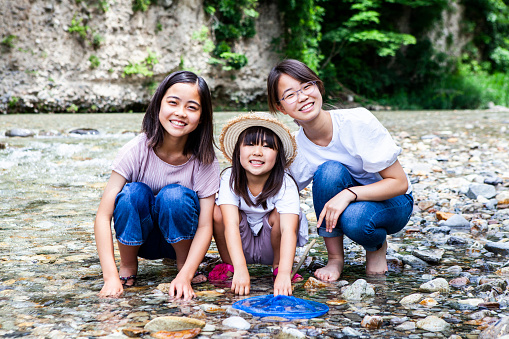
(51, 183)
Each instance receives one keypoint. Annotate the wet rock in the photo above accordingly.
(359, 290)
(503, 198)
(455, 221)
(443, 215)
(236, 322)
(453, 240)
(411, 260)
(428, 302)
(185, 334)
(211, 308)
(170, 323)
(350, 332)
(435, 285)
(313, 283)
(290, 333)
(432, 256)
(425, 205)
(459, 282)
(411, 299)
(134, 332)
(497, 330)
(454, 270)
(372, 322)
(433, 323)
(406, 326)
(486, 191)
(501, 248)
(19, 132)
(3, 145)
(84, 131)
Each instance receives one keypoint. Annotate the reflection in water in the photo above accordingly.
(50, 275)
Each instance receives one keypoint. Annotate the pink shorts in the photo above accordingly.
(257, 249)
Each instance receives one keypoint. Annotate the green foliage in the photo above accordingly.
(72, 108)
(8, 41)
(232, 20)
(159, 27)
(94, 61)
(143, 67)
(142, 5)
(12, 102)
(77, 26)
(203, 36)
(97, 40)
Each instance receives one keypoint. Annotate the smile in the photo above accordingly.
(307, 106)
(178, 123)
(256, 162)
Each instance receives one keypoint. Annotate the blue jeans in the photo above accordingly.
(365, 222)
(155, 222)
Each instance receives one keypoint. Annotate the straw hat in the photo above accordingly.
(234, 127)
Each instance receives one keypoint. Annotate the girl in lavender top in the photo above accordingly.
(161, 191)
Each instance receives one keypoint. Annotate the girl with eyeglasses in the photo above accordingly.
(359, 187)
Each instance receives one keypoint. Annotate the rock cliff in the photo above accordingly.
(47, 67)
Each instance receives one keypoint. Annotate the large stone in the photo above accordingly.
(484, 190)
(435, 285)
(359, 290)
(19, 132)
(497, 330)
(170, 323)
(456, 221)
(432, 256)
(433, 324)
(237, 322)
(501, 248)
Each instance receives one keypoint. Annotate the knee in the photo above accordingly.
(176, 195)
(329, 172)
(134, 195)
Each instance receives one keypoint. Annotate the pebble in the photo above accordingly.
(237, 322)
(435, 285)
(359, 290)
(433, 323)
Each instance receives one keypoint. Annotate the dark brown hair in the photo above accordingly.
(297, 70)
(200, 142)
(238, 180)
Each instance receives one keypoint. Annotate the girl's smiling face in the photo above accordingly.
(258, 159)
(306, 108)
(180, 110)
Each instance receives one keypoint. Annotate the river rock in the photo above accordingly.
(359, 290)
(455, 221)
(411, 299)
(84, 131)
(435, 285)
(290, 333)
(476, 190)
(19, 132)
(497, 330)
(237, 322)
(503, 198)
(372, 321)
(501, 248)
(432, 256)
(459, 282)
(170, 323)
(406, 326)
(433, 323)
(184, 334)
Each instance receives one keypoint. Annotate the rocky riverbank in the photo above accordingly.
(448, 274)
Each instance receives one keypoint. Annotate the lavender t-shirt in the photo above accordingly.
(138, 163)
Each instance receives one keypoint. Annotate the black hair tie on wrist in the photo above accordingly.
(352, 193)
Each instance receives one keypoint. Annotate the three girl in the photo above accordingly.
(359, 187)
(257, 218)
(162, 188)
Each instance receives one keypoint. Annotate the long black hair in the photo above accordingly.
(200, 142)
(238, 181)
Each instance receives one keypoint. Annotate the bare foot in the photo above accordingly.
(376, 262)
(199, 278)
(331, 272)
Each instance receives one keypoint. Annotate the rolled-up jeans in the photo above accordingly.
(365, 222)
(155, 222)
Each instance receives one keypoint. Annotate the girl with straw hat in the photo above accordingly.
(257, 216)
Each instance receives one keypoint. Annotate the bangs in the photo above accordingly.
(258, 135)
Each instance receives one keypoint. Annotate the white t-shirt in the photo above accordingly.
(359, 141)
(286, 201)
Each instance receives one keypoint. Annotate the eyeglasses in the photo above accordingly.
(306, 89)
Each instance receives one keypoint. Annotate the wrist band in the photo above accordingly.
(352, 193)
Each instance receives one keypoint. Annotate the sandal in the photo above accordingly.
(296, 278)
(125, 279)
(220, 272)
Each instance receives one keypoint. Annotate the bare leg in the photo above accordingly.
(332, 271)
(181, 250)
(376, 262)
(275, 236)
(128, 262)
(219, 237)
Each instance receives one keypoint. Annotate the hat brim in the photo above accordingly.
(234, 127)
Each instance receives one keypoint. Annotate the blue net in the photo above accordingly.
(281, 306)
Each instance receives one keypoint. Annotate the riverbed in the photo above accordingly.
(51, 184)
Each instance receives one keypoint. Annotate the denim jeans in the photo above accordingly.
(155, 222)
(365, 222)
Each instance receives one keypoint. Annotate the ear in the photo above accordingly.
(281, 109)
